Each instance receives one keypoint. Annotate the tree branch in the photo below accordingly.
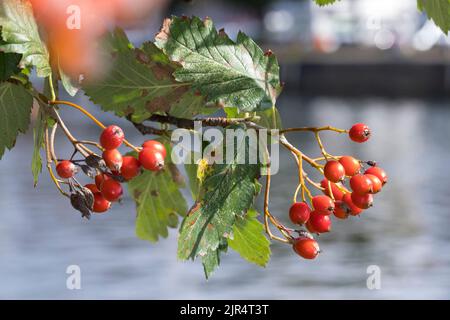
(189, 123)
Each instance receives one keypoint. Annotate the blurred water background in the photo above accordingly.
(405, 234)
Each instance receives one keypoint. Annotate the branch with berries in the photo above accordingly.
(167, 84)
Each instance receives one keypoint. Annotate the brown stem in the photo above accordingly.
(189, 123)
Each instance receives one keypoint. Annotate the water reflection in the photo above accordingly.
(405, 233)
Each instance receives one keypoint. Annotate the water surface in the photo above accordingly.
(405, 234)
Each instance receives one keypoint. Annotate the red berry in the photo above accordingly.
(337, 193)
(323, 204)
(320, 223)
(349, 206)
(111, 190)
(99, 179)
(359, 132)
(334, 171)
(100, 203)
(131, 167)
(112, 137)
(151, 160)
(306, 248)
(299, 212)
(66, 169)
(378, 172)
(92, 187)
(362, 201)
(113, 159)
(155, 146)
(339, 210)
(361, 184)
(309, 226)
(351, 165)
(376, 183)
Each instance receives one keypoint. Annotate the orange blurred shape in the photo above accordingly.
(72, 27)
(74, 52)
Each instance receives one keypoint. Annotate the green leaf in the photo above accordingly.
(249, 239)
(140, 82)
(38, 138)
(438, 11)
(20, 32)
(227, 191)
(15, 107)
(325, 2)
(158, 201)
(211, 260)
(8, 65)
(226, 72)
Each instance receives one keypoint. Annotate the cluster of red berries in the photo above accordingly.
(336, 199)
(116, 168)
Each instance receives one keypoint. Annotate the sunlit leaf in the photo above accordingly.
(231, 73)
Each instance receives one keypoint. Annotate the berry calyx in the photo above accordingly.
(320, 223)
(349, 206)
(100, 179)
(337, 193)
(111, 190)
(361, 184)
(323, 204)
(306, 248)
(334, 171)
(113, 159)
(362, 201)
(299, 213)
(131, 167)
(92, 187)
(156, 146)
(112, 137)
(359, 132)
(351, 165)
(378, 172)
(376, 183)
(151, 160)
(100, 203)
(66, 169)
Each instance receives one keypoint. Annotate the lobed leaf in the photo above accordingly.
(21, 35)
(227, 191)
(140, 82)
(226, 72)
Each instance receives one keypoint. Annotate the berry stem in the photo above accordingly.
(268, 216)
(90, 116)
(313, 129)
(92, 143)
(50, 161)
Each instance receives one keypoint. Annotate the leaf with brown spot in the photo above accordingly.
(140, 82)
(227, 192)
